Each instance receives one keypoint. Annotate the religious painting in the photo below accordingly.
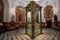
(48, 12)
(20, 14)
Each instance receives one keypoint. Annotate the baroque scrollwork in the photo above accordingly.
(48, 12)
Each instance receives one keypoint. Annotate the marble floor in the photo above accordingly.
(48, 34)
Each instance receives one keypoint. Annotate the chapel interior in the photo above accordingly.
(29, 19)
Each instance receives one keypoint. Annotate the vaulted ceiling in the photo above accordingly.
(14, 3)
(40, 2)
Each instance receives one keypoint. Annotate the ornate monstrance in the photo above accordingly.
(31, 31)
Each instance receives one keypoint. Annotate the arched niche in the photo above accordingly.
(1, 10)
(20, 14)
(48, 14)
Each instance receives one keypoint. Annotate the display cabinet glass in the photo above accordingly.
(33, 19)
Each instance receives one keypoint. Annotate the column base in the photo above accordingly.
(33, 36)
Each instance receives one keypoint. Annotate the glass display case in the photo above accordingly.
(33, 19)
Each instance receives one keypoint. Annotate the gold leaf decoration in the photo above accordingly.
(48, 12)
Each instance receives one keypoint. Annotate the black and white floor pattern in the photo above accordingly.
(48, 34)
